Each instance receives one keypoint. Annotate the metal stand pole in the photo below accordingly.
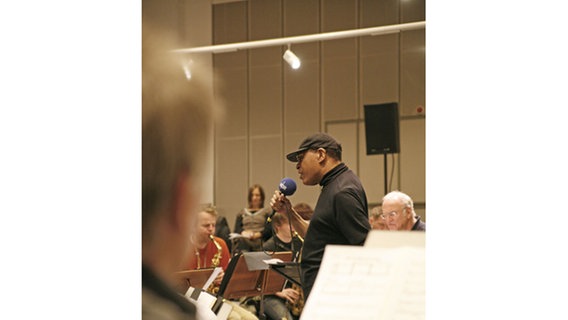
(385, 165)
(261, 315)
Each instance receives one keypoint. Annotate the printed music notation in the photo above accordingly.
(369, 283)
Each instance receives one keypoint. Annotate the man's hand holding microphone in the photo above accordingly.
(280, 203)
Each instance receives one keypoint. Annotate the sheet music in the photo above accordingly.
(369, 283)
(256, 260)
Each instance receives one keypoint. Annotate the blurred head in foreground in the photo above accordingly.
(177, 121)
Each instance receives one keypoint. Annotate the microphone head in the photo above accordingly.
(287, 186)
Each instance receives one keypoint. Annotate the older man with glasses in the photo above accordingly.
(398, 211)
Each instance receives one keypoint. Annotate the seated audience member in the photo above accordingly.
(251, 222)
(279, 305)
(377, 220)
(177, 118)
(304, 210)
(398, 210)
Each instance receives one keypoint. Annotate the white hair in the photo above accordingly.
(401, 197)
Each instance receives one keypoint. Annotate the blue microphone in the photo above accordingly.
(287, 186)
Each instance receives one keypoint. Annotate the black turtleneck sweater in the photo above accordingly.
(340, 217)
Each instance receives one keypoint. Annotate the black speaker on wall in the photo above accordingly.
(381, 128)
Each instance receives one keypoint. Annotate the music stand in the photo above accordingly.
(192, 278)
(289, 270)
(251, 278)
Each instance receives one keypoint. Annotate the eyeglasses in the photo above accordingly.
(392, 214)
(300, 157)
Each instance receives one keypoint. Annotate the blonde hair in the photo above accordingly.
(210, 209)
(177, 121)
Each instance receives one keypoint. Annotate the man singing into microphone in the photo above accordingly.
(340, 215)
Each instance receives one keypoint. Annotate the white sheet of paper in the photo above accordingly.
(212, 277)
(233, 235)
(273, 261)
(369, 283)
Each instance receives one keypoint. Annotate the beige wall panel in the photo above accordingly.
(266, 57)
(230, 22)
(265, 19)
(339, 62)
(414, 10)
(306, 52)
(198, 30)
(413, 158)
(372, 169)
(379, 70)
(231, 181)
(346, 134)
(371, 174)
(266, 163)
(301, 17)
(338, 15)
(231, 60)
(339, 79)
(378, 13)
(412, 72)
(189, 19)
(163, 14)
(301, 86)
(301, 95)
(233, 91)
(265, 92)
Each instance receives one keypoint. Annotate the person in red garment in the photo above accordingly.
(209, 251)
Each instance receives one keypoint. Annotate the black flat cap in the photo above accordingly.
(318, 140)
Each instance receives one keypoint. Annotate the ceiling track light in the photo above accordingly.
(289, 56)
(292, 59)
(372, 31)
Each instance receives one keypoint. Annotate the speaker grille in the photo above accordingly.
(382, 128)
